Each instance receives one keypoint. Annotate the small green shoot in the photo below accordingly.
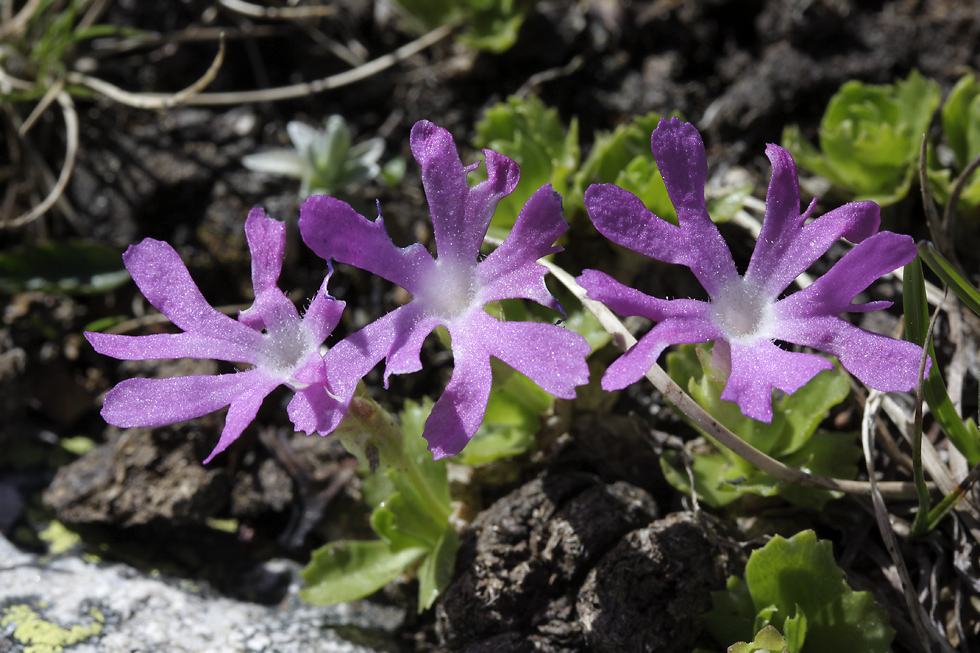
(961, 124)
(869, 137)
(796, 587)
(323, 159)
(963, 434)
(535, 137)
(490, 25)
(412, 519)
(74, 268)
(721, 477)
(623, 157)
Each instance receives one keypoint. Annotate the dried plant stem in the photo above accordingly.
(277, 13)
(674, 394)
(920, 526)
(318, 86)
(19, 22)
(71, 150)
(923, 626)
(152, 100)
(949, 215)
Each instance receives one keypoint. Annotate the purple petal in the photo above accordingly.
(780, 226)
(334, 230)
(172, 345)
(459, 411)
(629, 301)
(680, 156)
(271, 309)
(762, 366)
(162, 277)
(323, 314)
(244, 407)
(155, 402)
(631, 366)
(549, 355)
(878, 361)
(833, 293)
(512, 270)
(313, 409)
(397, 337)
(621, 216)
(785, 247)
(460, 215)
(267, 245)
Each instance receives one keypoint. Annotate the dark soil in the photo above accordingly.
(582, 548)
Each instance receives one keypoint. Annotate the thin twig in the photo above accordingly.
(277, 13)
(949, 215)
(674, 394)
(19, 22)
(918, 527)
(42, 106)
(152, 100)
(923, 626)
(932, 215)
(71, 150)
(306, 88)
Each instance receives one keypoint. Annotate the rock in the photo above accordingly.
(522, 560)
(46, 604)
(568, 563)
(649, 591)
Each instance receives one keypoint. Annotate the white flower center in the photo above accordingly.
(450, 291)
(286, 347)
(743, 311)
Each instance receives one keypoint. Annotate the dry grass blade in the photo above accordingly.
(71, 150)
(674, 394)
(328, 83)
(153, 100)
(41, 107)
(19, 22)
(923, 626)
(949, 215)
(932, 215)
(277, 13)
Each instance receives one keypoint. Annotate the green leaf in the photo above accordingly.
(964, 435)
(721, 476)
(869, 137)
(767, 639)
(732, 613)
(344, 571)
(76, 268)
(432, 472)
(795, 628)
(961, 119)
(436, 571)
(623, 157)
(962, 288)
(535, 137)
(799, 575)
(404, 525)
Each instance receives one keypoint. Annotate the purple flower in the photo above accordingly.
(452, 290)
(744, 314)
(282, 347)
